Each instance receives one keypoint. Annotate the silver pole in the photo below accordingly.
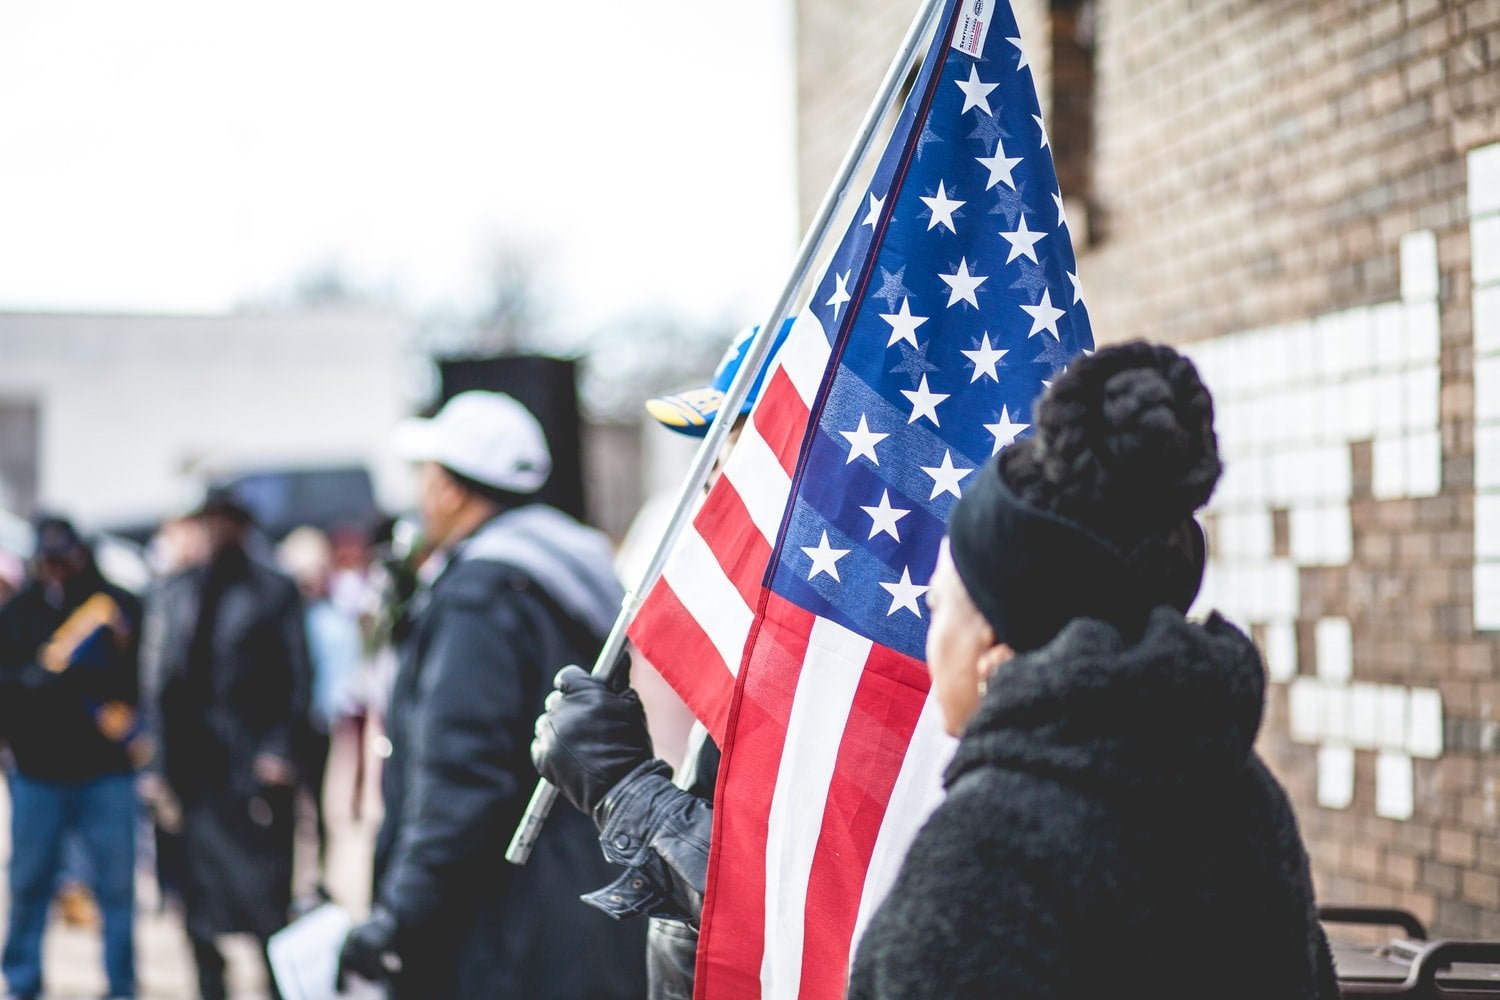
(734, 397)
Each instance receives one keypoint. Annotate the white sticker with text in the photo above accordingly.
(973, 24)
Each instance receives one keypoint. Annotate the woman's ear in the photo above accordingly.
(992, 659)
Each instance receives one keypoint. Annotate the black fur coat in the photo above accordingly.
(1108, 831)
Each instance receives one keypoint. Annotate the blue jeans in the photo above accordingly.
(102, 813)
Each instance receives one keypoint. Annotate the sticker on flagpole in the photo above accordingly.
(973, 24)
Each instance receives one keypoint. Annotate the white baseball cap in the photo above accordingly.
(488, 437)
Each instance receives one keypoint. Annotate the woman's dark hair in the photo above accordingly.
(1092, 516)
(1123, 444)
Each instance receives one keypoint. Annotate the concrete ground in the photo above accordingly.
(73, 964)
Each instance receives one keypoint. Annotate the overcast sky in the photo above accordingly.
(187, 155)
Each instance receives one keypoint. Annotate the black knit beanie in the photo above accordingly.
(1092, 516)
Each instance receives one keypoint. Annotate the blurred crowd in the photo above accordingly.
(192, 731)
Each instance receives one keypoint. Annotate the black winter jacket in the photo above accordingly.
(1108, 831)
(527, 594)
(55, 719)
(659, 833)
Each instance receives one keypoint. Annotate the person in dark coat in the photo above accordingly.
(68, 682)
(226, 664)
(1108, 829)
(594, 745)
(513, 591)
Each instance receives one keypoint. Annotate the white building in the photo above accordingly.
(116, 418)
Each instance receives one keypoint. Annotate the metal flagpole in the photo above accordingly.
(734, 397)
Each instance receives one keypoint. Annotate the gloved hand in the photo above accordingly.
(369, 949)
(589, 738)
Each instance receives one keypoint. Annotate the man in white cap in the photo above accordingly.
(514, 590)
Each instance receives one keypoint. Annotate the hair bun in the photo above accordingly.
(1124, 442)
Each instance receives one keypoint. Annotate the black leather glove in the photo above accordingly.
(369, 950)
(589, 738)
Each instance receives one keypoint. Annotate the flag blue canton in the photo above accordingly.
(952, 297)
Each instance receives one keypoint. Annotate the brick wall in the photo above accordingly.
(1306, 196)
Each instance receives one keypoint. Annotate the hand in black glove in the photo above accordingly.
(369, 950)
(589, 738)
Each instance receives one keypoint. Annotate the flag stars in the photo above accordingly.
(1021, 49)
(1004, 429)
(1044, 316)
(962, 285)
(1041, 126)
(840, 292)
(1077, 288)
(946, 477)
(1022, 241)
(872, 215)
(903, 324)
(942, 208)
(976, 91)
(999, 166)
(883, 517)
(924, 402)
(904, 594)
(825, 558)
(985, 358)
(862, 441)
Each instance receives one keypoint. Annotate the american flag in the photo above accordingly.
(791, 615)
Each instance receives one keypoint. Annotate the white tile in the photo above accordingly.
(1487, 525)
(1334, 643)
(1388, 410)
(1364, 716)
(1281, 651)
(1336, 713)
(1392, 733)
(1302, 529)
(1487, 320)
(1421, 338)
(1424, 723)
(1282, 596)
(1395, 786)
(1388, 321)
(1419, 266)
(1487, 595)
(1487, 389)
(1337, 529)
(1487, 456)
(1359, 406)
(1484, 179)
(1285, 484)
(1335, 777)
(1388, 472)
(1419, 398)
(1305, 710)
(1484, 243)
(1424, 464)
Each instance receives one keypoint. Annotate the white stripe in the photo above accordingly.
(805, 356)
(831, 672)
(700, 583)
(917, 792)
(761, 482)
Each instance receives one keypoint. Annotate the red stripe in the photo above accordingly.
(782, 419)
(677, 646)
(737, 544)
(734, 912)
(881, 721)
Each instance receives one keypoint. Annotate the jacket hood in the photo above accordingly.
(1181, 705)
(570, 561)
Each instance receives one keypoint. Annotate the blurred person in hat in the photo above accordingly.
(69, 642)
(512, 591)
(225, 667)
(617, 755)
